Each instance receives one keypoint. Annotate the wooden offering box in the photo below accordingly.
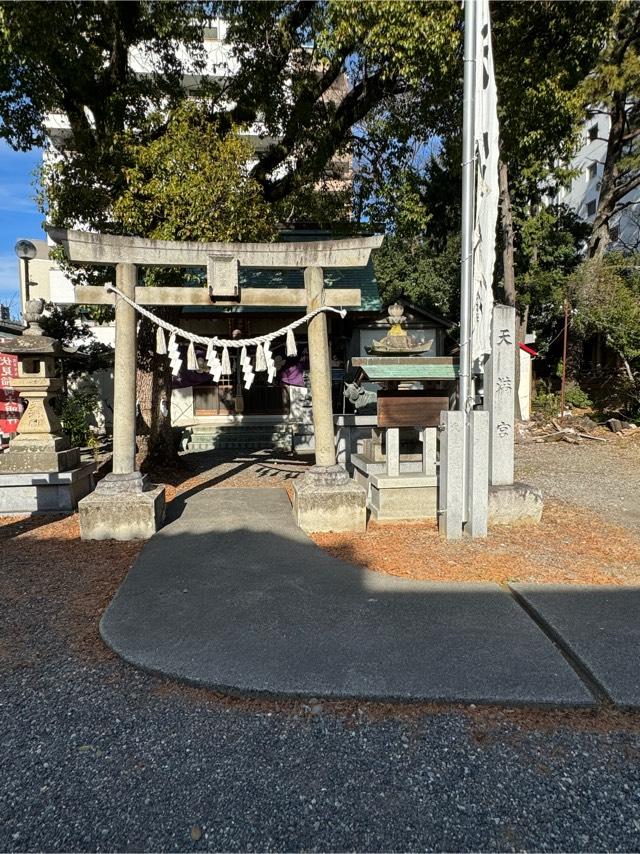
(410, 408)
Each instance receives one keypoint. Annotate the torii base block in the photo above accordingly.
(326, 499)
(123, 507)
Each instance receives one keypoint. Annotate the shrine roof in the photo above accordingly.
(397, 368)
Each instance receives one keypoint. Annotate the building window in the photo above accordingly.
(593, 133)
(592, 171)
(591, 208)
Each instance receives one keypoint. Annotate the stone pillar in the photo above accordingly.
(393, 451)
(450, 494)
(478, 469)
(500, 384)
(320, 370)
(429, 451)
(124, 506)
(325, 499)
(509, 502)
(124, 375)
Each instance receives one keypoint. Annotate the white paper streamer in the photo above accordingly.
(161, 341)
(292, 350)
(261, 362)
(192, 362)
(213, 363)
(174, 356)
(226, 362)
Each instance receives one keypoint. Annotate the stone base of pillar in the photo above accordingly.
(326, 499)
(44, 492)
(131, 483)
(514, 503)
(121, 515)
(406, 497)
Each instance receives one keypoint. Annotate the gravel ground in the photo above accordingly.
(605, 477)
(97, 756)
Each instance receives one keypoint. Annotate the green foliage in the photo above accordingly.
(550, 244)
(546, 404)
(191, 183)
(67, 325)
(429, 279)
(543, 52)
(73, 58)
(78, 409)
(605, 293)
(618, 394)
(577, 397)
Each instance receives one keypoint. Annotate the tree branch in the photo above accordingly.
(353, 107)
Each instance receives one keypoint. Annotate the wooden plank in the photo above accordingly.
(280, 297)
(410, 408)
(91, 248)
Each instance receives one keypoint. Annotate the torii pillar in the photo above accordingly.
(325, 498)
(124, 505)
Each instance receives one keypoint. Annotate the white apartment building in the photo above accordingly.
(583, 193)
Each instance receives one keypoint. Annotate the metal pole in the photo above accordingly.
(26, 281)
(466, 271)
(564, 358)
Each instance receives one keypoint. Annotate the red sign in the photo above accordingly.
(10, 406)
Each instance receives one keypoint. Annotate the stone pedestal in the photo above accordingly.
(123, 507)
(400, 486)
(364, 467)
(121, 517)
(326, 499)
(44, 492)
(403, 497)
(515, 503)
(37, 459)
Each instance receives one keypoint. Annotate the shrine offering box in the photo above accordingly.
(410, 408)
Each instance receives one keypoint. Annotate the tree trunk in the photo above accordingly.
(154, 434)
(610, 194)
(506, 218)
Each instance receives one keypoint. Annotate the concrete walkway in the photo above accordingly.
(231, 595)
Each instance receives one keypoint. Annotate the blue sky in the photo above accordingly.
(19, 216)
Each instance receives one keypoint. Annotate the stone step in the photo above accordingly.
(237, 446)
(233, 433)
(234, 437)
(239, 437)
(234, 428)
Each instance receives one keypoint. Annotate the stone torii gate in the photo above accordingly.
(125, 505)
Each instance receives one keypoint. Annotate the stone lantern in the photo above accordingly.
(40, 472)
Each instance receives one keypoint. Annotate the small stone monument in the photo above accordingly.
(40, 471)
